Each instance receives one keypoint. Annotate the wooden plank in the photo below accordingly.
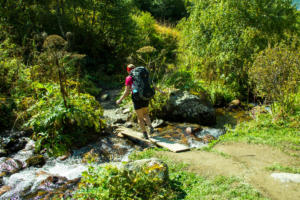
(159, 141)
(172, 146)
(131, 133)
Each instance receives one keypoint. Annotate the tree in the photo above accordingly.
(220, 37)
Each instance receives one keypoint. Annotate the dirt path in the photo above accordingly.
(246, 161)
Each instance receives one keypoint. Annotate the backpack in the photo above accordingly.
(141, 83)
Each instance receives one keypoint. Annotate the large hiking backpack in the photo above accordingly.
(141, 83)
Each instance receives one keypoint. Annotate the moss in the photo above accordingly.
(36, 161)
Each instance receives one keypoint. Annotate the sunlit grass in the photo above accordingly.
(283, 133)
(166, 30)
(191, 186)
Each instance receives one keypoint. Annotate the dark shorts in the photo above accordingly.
(138, 103)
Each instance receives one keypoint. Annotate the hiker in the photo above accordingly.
(140, 100)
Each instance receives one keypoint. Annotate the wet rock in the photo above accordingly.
(234, 104)
(183, 106)
(52, 182)
(153, 166)
(125, 111)
(121, 119)
(4, 189)
(157, 123)
(36, 161)
(110, 148)
(64, 157)
(12, 142)
(104, 97)
(128, 125)
(3, 153)
(208, 138)
(10, 166)
(54, 187)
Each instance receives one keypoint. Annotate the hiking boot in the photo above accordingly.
(145, 135)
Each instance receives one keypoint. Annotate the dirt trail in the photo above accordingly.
(247, 161)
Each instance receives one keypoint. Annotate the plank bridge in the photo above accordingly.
(159, 141)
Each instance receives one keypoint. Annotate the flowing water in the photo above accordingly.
(60, 176)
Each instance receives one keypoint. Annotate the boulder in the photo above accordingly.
(186, 107)
(12, 142)
(157, 123)
(36, 161)
(3, 152)
(10, 166)
(234, 104)
(153, 166)
(104, 97)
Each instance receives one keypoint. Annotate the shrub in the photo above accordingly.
(220, 37)
(57, 127)
(275, 74)
(109, 182)
(9, 66)
(160, 37)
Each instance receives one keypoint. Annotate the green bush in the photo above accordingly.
(109, 182)
(146, 29)
(9, 66)
(192, 186)
(220, 37)
(275, 74)
(58, 127)
(220, 94)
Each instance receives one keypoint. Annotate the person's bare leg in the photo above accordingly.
(141, 121)
(146, 117)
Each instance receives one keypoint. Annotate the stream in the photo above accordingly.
(59, 176)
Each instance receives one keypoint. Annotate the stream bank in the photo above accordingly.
(59, 176)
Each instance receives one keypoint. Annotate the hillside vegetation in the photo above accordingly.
(56, 57)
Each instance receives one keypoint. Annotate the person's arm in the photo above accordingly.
(125, 94)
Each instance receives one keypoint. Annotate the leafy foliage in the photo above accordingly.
(275, 74)
(157, 43)
(191, 186)
(267, 129)
(97, 28)
(109, 182)
(220, 37)
(9, 66)
(58, 127)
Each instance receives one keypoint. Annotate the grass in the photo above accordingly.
(266, 129)
(190, 186)
(280, 168)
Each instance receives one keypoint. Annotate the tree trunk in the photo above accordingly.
(58, 15)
